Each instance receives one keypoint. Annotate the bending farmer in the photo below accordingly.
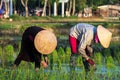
(81, 38)
(36, 42)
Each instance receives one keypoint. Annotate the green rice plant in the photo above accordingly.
(61, 54)
(90, 75)
(68, 54)
(9, 53)
(110, 62)
(54, 56)
(116, 54)
(2, 59)
(79, 61)
(68, 51)
(98, 58)
(54, 60)
(106, 52)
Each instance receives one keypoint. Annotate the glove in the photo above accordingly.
(91, 62)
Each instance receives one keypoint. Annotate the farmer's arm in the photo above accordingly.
(39, 61)
(17, 61)
(81, 49)
(89, 50)
(37, 58)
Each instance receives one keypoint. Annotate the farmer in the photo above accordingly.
(36, 42)
(81, 38)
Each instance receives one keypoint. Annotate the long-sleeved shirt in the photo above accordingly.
(84, 33)
(28, 51)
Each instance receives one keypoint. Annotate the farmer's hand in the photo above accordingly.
(44, 64)
(91, 62)
(36, 69)
(46, 60)
(94, 67)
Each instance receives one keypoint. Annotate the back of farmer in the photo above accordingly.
(33, 46)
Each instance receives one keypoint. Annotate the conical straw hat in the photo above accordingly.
(45, 42)
(104, 36)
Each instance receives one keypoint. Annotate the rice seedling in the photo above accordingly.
(59, 68)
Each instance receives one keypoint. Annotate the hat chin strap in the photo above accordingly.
(96, 38)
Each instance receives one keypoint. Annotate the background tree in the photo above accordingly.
(70, 6)
(14, 6)
(50, 3)
(25, 4)
(44, 8)
(73, 11)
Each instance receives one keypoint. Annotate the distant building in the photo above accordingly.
(109, 10)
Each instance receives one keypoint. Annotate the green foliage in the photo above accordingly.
(106, 52)
(115, 51)
(54, 57)
(22, 29)
(1, 52)
(61, 54)
(68, 51)
(6, 26)
(61, 51)
(98, 58)
(79, 61)
(81, 4)
(110, 62)
(68, 54)
(26, 71)
(16, 17)
(2, 60)
(9, 53)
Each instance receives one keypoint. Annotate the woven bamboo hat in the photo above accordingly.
(45, 42)
(104, 36)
